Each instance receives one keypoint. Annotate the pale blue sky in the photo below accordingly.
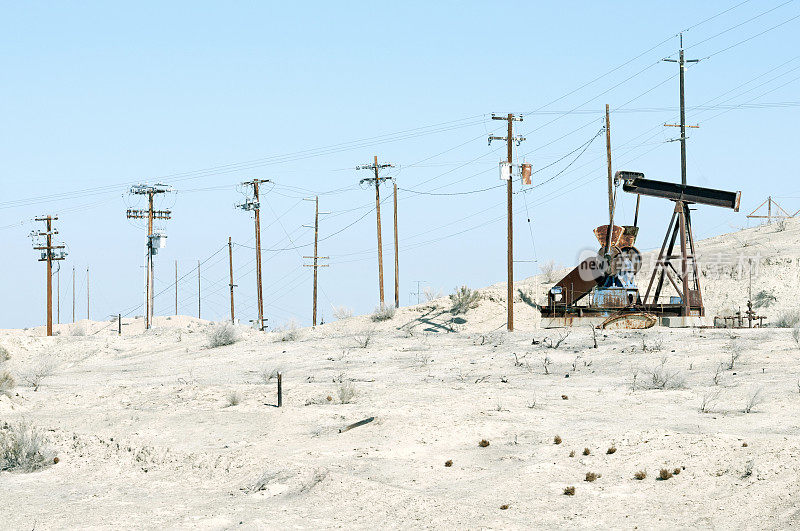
(99, 95)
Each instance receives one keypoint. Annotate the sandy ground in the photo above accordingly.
(146, 436)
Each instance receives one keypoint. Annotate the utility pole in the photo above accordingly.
(73, 294)
(509, 139)
(254, 205)
(396, 255)
(778, 212)
(418, 290)
(155, 241)
(316, 256)
(198, 289)
(58, 295)
(87, 293)
(49, 253)
(375, 167)
(230, 263)
(769, 210)
(176, 287)
(610, 184)
(681, 66)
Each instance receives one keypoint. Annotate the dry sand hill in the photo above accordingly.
(147, 436)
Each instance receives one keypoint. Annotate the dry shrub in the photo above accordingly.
(448, 463)
(556, 440)
(550, 271)
(5, 355)
(572, 453)
(7, 383)
(735, 352)
(709, 400)
(221, 334)
(546, 364)
(288, 332)
(431, 294)
(233, 399)
(764, 299)
(756, 397)
(23, 448)
(463, 300)
(569, 491)
(717, 379)
(640, 475)
(591, 476)
(504, 507)
(342, 312)
(661, 378)
(383, 313)
(748, 469)
(346, 392)
(664, 474)
(787, 319)
(267, 375)
(363, 340)
(317, 477)
(611, 450)
(44, 368)
(484, 443)
(586, 451)
(676, 471)
(550, 343)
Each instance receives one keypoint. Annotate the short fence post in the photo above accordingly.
(280, 389)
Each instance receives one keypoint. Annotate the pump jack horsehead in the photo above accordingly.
(609, 276)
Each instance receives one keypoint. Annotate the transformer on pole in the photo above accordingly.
(49, 253)
(155, 239)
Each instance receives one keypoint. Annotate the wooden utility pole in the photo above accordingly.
(769, 211)
(258, 254)
(375, 167)
(87, 293)
(198, 289)
(58, 295)
(48, 255)
(154, 241)
(254, 205)
(681, 67)
(510, 139)
(380, 243)
(610, 183)
(230, 263)
(316, 256)
(396, 255)
(73, 294)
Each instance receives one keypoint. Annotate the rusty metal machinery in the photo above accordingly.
(608, 278)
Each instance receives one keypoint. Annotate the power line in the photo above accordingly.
(741, 23)
(716, 15)
(752, 37)
(132, 309)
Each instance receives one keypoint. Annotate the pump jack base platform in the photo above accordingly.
(597, 322)
(667, 315)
